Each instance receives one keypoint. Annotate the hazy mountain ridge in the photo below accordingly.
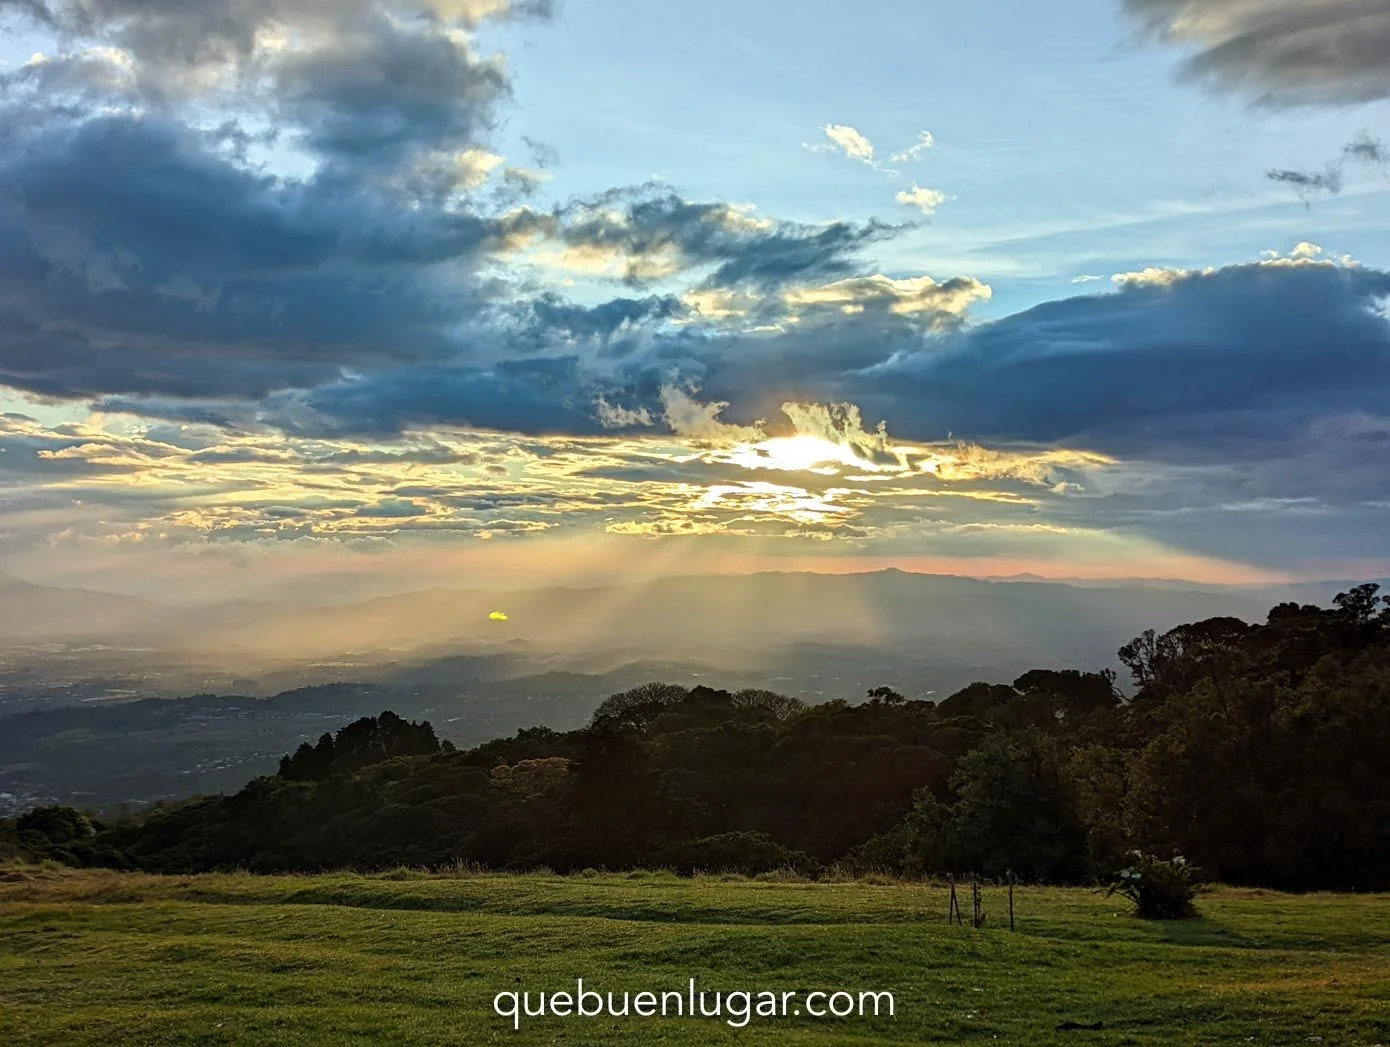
(879, 608)
(72, 645)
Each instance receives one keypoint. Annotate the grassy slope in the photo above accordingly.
(115, 959)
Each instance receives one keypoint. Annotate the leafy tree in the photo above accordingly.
(1359, 605)
(1012, 811)
(1171, 663)
(637, 709)
(778, 706)
(369, 740)
(887, 695)
(57, 824)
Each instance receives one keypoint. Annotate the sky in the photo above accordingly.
(320, 300)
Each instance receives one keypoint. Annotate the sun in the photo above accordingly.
(800, 453)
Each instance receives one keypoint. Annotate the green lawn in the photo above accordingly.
(115, 959)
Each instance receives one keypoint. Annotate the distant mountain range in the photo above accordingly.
(39, 611)
(681, 616)
(43, 612)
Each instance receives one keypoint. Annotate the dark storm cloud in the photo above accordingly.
(798, 254)
(381, 100)
(549, 316)
(810, 361)
(1280, 369)
(649, 223)
(142, 255)
(1247, 363)
(1329, 180)
(136, 260)
(1363, 149)
(133, 259)
(1366, 149)
(621, 351)
(540, 395)
(147, 261)
(373, 90)
(1281, 51)
(179, 34)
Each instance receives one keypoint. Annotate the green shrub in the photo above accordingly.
(749, 853)
(1160, 890)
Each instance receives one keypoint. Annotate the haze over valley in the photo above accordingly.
(100, 686)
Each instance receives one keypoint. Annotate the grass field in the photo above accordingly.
(115, 959)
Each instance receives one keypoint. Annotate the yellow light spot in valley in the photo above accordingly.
(498, 616)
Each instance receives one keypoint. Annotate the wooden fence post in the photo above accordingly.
(1011, 899)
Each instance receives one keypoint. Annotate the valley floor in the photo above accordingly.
(404, 958)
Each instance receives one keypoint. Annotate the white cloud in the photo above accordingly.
(906, 296)
(468, 12)
(847, 140)
(475, 166)
(721, 303)
(924, 142)
(615, 416)
(689, 418)
(1305, 253)
(1302, 254)
(1157, 276)
(926, 200)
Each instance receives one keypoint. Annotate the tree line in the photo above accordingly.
(1260, 752)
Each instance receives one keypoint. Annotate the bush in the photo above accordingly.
(57, 824)
(749, 853)
(1160, 890)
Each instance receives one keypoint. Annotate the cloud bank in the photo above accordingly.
(1282, 52)
(272, 247)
